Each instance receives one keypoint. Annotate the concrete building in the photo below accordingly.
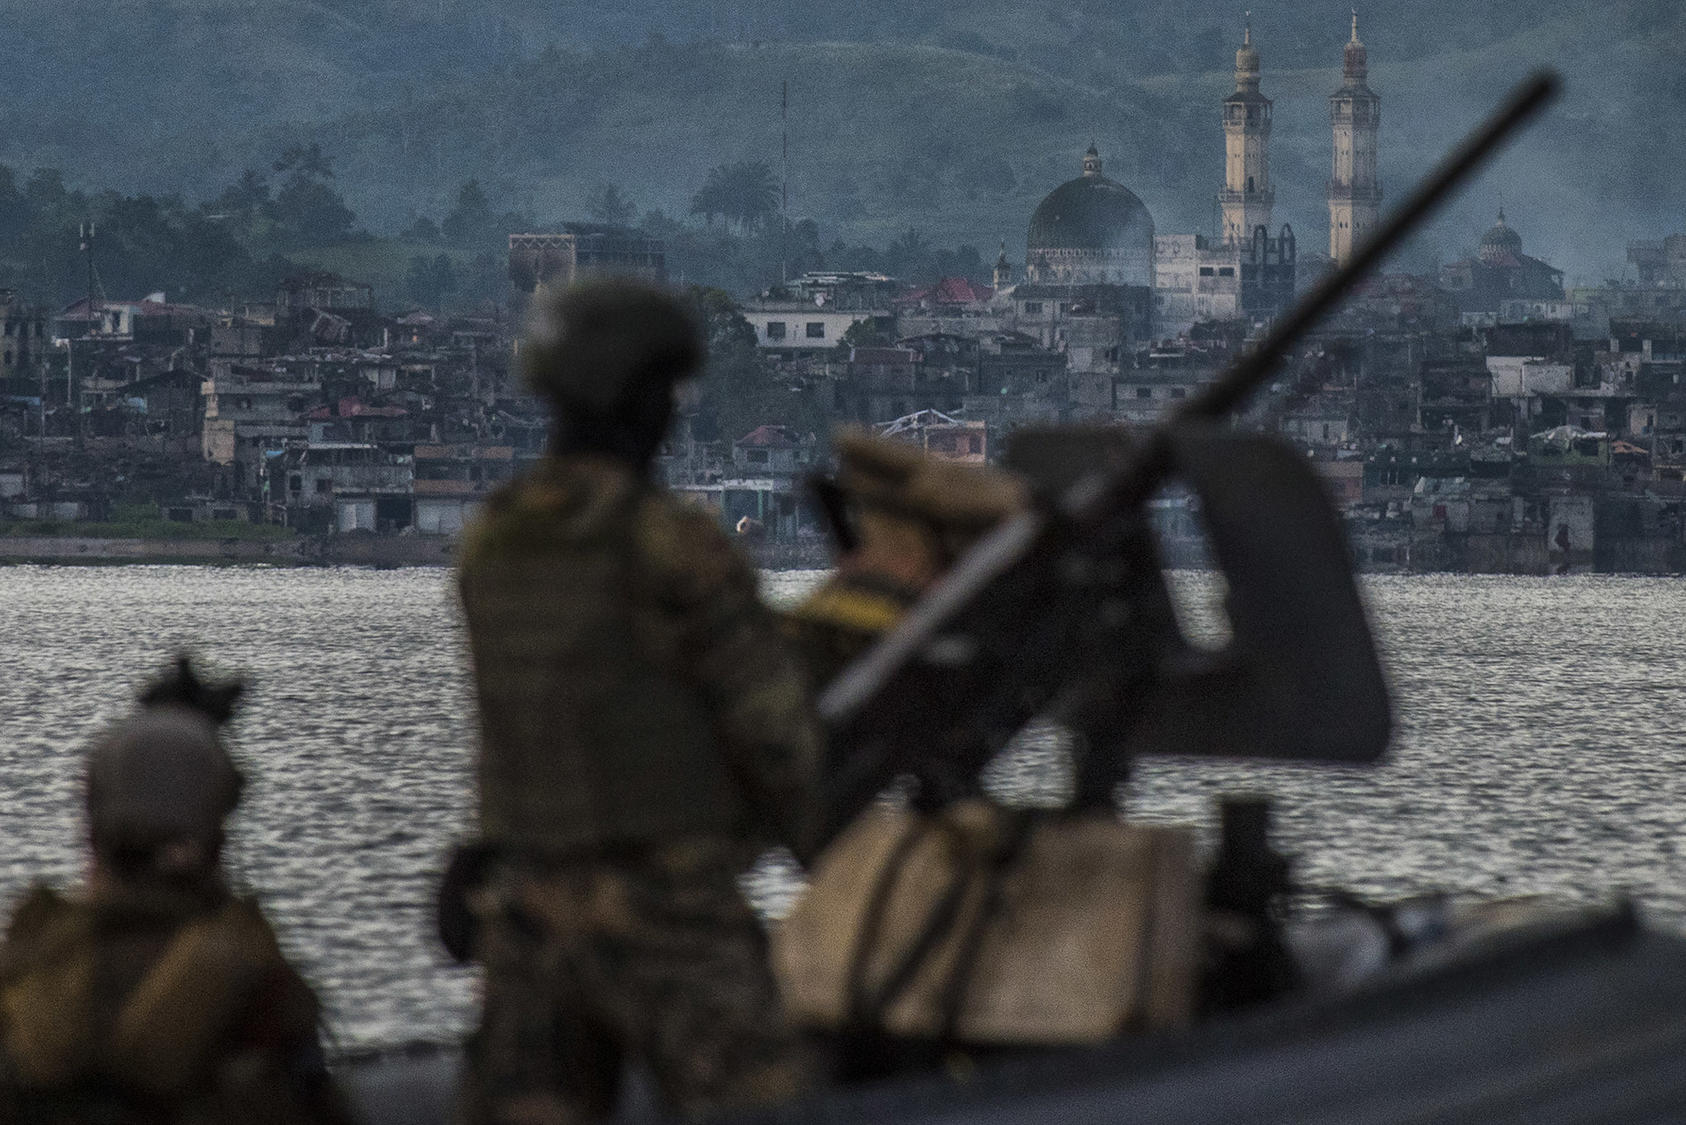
(1094, 326)
(794, 327)
(1500, 272)
(941, 436)
(325, 292)
(1194, 279)
(23, 340)
(451, 481)
(1660, 263)
(365, 487)
(581, 249)
(250, 412)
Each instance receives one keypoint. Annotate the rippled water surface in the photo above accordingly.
(1540, 748)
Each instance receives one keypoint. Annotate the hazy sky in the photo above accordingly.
(951, 117)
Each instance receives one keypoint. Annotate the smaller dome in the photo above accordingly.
(1500, 240)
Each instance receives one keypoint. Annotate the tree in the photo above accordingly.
(872, 332)
(306, 161)
(745, 193)
(248, 194)
(14, 209)
(423, 230)
(308, 210)
(741, 389)
(430, 280)
(608, 204)
(710, 200)
(909, 256)
(471, 221)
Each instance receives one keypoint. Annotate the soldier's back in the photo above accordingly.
(585, 591)
(156, 1004)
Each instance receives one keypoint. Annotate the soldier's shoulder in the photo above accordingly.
(37, 905)
(556, 498)
(244, 914)
(249, 928)
(41, 918)
(684, 547)
(530, 492)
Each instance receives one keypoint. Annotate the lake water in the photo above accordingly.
(1541, 739)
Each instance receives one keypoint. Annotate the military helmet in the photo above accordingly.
(958, 501)
(873, 469)
(592, 344)
(162, 773)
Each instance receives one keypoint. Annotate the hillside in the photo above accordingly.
(954, 119)
(962, 146)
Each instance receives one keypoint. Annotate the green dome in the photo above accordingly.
(1500, 240)
(1091, 213)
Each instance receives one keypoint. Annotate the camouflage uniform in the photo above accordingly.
(156, 1004)
(655, 957)
(156, 995)
(913, 517)
(642, 725)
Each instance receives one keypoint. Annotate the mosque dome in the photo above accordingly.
(1093, 215)
(1500, 240)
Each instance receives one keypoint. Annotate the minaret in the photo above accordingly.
(1247, 197)
(1003, 275)
(1355, 195)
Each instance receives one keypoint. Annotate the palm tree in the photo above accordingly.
(745, 193)
(306, 160)
(710, 200)
(753, 192)
(608, 204)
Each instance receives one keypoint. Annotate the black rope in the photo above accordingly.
(865, 1013)
(1001, 859)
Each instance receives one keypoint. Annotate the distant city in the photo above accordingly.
(1482, 418)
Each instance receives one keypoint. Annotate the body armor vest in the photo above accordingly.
(591, 737)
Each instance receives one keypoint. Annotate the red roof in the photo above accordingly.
(952, 291)
(883, 355)
(355, 408)
(776, 437)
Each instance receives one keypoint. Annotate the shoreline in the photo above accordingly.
(378, 551)
(390, 552)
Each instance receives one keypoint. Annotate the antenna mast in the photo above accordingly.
(87, 232)
(784, 180)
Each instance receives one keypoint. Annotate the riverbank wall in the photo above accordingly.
(342, 550)
(380, 551)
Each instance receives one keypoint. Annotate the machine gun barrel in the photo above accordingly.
(916, 638)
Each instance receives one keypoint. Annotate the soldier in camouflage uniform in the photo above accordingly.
(912, 516)
(644, 732)
(155, 994)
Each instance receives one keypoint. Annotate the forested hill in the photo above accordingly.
(950, 118)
